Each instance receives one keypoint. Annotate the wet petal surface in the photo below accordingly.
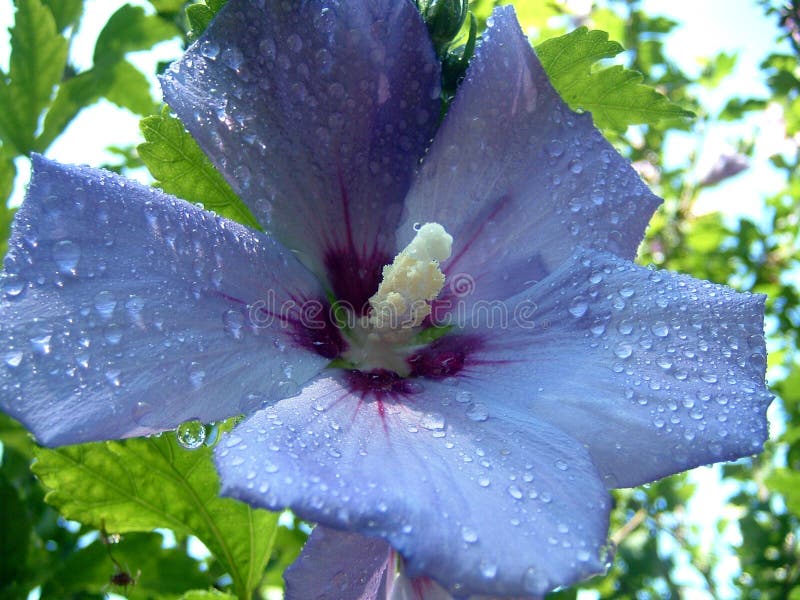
(652, 371)
(444, 484)
(337, 564)
(317, 113)
(127, 311)
(518, 179)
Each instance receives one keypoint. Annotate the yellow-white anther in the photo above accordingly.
(411, 281)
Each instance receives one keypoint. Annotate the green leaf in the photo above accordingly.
(142, 484)
(129, 88)
(206, 595)
(787, 483)
(199, 15)
(15, 535)
(615, 95)
(181, 168)
(8, 172)
(38, 58)
(168, 6)
(65, 12)
(130, 30)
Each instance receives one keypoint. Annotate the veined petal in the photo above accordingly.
(518, 179)
(339, 564)
(653, 372)
(317, 113)
(336, 564)
(126, 311)
(417, 468)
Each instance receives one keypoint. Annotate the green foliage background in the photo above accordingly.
(64, 544)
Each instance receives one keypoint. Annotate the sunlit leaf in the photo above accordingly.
(182, 169)
(65, 12)
(615, 96)
(129, 30)
(143, 484)
(200, 14)
(38, 57)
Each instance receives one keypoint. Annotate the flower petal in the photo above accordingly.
(653, 372)
(336, 564)
(498, 506)
(512, 162)
(126, 311)
(317, 113)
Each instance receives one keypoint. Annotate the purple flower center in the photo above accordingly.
(355, 278)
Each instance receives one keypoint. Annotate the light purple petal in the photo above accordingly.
(126, 311)
(506, 505)
(317, 113)
(519, 179)
(652, 371)
(336, 564)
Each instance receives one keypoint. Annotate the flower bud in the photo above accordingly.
(444, 19)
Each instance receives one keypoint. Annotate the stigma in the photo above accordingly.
(411, 282)
(383, 340)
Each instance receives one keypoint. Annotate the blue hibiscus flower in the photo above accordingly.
(467, 390)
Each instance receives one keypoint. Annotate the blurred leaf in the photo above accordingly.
(787, 483)
(158, 572)
(168, 6)
(38, 58)
(65, 12)
(142, 484)
(130, 89)
(615, 95)
(8, 173)
(736, 108)
(288, 545)
(15, 535)
(717, 69)
(200, 14)
(182, 169)
(129, 30)
(206, 595)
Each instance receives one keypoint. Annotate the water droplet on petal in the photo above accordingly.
(13, 358)
(478, 412)
(66, 254)
(660, 329)
(433, 421)
(578, 306)
(233, 322)
(191, 434)
(469, 535)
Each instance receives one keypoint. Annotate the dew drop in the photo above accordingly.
(469, 535)
(191, 434)
(105, 304)
(534, 582)
(433, 421)
(660, 329)
(13, 358)
(478, 411)
(233, 322)
(13, 287)
(66, 254)
(578, 306)
(488, 569)
(515, 492)
(623, 350)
